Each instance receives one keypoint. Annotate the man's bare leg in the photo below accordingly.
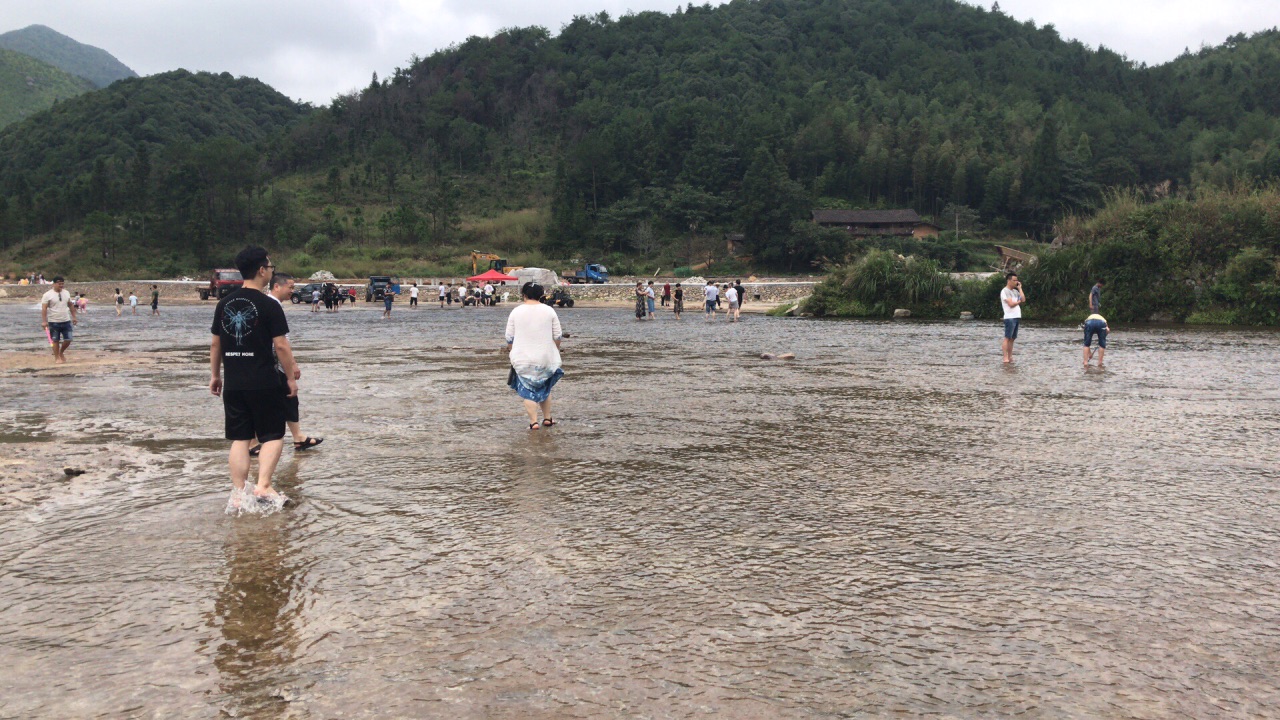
(238, 461)
(1102, 352)
(295, 429)
(1088, 355)
(268, 458)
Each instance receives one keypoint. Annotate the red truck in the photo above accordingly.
(221, 283)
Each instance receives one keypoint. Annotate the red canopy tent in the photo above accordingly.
(492, 276)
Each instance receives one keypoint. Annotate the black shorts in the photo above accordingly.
(255, 413)
(290, 403)
(413, 301)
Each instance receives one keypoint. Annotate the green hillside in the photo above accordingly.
(644, 140)
(28, 86)
(47, 45)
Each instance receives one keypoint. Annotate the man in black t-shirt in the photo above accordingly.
(247, 327)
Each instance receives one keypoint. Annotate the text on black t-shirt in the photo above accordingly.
(248, 322)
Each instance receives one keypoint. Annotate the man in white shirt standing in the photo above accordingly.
(57, 315)
(731, 294)
(1011, 301)
(711, 293)
(488, 293)
(413, 295)
(444, 294)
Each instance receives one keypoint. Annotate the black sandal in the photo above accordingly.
(307, 444)
(534, 426)
(548, 422)
(253, 451)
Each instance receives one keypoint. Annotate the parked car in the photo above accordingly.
(222, 282)
(377, 287)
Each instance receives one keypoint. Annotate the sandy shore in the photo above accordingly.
(78, 361)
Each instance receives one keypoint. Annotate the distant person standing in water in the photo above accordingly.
(119, 303)
(666, 294)
(731, 294)
(533, 344)
(1095, 324)
(155, 300)
(388, 297)
(1095, 299)
(443, 290)
(678, 303)
(712, 295)
(57, 316)
(1011, 301)
(649, 300)
(250, 333)
(413, 295)
(133, 302)
(640, 304)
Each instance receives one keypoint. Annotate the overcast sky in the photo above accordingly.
(314, 49)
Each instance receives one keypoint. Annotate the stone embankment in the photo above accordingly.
(766, 293)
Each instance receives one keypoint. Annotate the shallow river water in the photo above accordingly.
(893, 523)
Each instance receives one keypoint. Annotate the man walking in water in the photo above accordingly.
(155, 300)
(444, 294)
(1011, 300)
(249, 334)
(281, 290)
(413, 295)
(133, 302)
(712, 295)
(57, 315)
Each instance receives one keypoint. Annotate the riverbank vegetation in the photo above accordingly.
(1209, 257)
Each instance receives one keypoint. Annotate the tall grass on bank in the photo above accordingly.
(1207, 257)
(882, 282)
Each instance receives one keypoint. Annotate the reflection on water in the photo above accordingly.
(891, 524)
(257, 610)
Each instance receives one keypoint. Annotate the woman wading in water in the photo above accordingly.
(641, 297)
(533, 342)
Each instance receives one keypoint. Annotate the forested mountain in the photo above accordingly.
(655, 134)
(740, 117)
(170, 154)
(48, 45)
(28, 86)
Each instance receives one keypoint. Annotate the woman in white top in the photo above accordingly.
(533, 341)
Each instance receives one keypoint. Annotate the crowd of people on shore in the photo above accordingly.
(713, 296)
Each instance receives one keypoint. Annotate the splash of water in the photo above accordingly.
(242, 501)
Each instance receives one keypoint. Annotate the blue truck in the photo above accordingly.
(590, 273)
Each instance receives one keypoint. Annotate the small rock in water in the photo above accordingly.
(287, 694)
(966, 315)
(902, 313)
(72, 472)
(565, 335)
(766, 356)
(787, 356)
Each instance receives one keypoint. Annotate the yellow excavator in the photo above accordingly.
(496, 262)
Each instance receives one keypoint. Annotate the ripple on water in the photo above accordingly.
(890, 524)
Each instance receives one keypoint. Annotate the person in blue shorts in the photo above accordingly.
(1095, 324)
(1011, 301)
(388, 297)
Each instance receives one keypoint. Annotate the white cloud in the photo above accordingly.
(315, 49)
